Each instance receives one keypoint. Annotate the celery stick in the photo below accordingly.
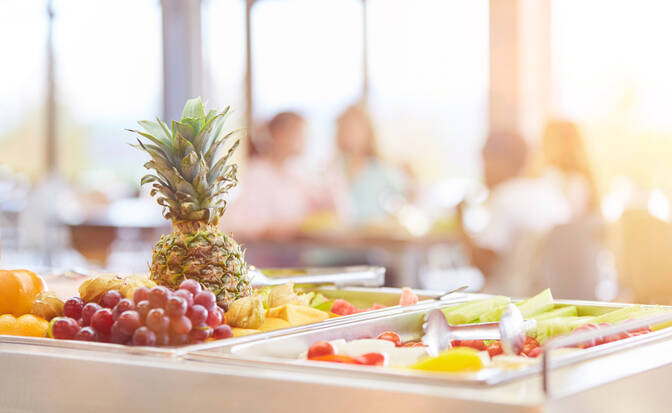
(493, 315)
(569, 311)
(472, 311)
(617, 315)
(558, 326)
(538, 304)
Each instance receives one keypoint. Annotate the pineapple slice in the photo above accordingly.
(298, 315)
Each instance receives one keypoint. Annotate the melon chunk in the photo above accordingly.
(272, 323)
(241, 332)
(297, 315)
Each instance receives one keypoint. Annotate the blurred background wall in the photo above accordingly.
(436, 80)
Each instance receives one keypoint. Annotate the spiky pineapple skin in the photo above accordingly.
(206, 255)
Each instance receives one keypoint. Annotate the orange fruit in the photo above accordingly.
(18, 289)
(7, 324)
(31, 326)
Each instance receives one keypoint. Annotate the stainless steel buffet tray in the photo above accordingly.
(283, 350)
(360, 296)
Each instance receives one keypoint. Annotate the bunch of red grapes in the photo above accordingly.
(155, 317)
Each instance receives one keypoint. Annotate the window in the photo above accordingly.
(307, 57)
(108, 74)
(429, 83)
(612, 74)
(22, 82)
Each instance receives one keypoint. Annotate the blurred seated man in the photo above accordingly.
(520, 210)
(273, 198)
(371, 183)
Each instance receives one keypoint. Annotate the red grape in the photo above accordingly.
(214, 318)
(157, 320)
(86, 334)
(176, 306)
(180, 325)
(158, 296)
(162, 339)
(63, 328)
(111, 298)
(205, 298)
(124, 305)
(187, 295)
(198, 315)
(193, 286)
(118, 336)
(129, 321)
(143, 336)
(141, 294)
(88, 311)
(143, 308)
(199, 334)
(102, 320)
(221, 332)
(73, 307)
(179, 340)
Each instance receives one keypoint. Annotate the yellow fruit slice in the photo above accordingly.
(298, 315)
(241, 332)
(7, 324)
(452, 360)
(31, 326)
(272, 323)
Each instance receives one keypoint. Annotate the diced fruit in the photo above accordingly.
(371, 359)
(297, 315)
(272, 323)
(63, 328)
(408, 297)
(319, 349)
(452, 360)
(342, 307)
(110, 299)
(241, 332)
(530, 345)
(475, 344)
(18, 291)
(495, 348)
(390, 336)
(26, 325)
(7, 325)
(247, 312)
(336, 358)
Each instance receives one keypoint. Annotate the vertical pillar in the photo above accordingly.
(182, 54)
(520, 66)
(249, 101)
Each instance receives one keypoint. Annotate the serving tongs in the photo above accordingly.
(439, 335)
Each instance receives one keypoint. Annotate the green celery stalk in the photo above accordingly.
(558, 326)
(493, 315)
(569, 311)
(470, 312)
(538, 304)
(619, 315)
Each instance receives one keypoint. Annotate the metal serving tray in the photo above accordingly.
(360, 296)
(283, 350)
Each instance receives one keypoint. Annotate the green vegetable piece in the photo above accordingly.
(538, 304)
(558, 326)
(325, 306)
(470, 312)
(318, 299)
(569, 311)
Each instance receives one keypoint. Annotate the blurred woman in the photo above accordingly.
(373, 186)
(273, 198)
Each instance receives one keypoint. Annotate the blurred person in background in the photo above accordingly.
(372, 185)
(519, 211)
(274, 198)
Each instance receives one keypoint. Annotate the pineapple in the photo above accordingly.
(191, 181)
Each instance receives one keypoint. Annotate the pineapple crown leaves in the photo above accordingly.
(189, 177)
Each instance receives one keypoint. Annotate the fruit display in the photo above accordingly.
(190, 180)
(18, 289)
(26, 325)
(151, 317)
(390, 350)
